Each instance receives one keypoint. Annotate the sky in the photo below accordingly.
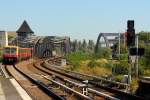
(78, 19)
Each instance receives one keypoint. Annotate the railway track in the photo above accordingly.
(94, 94)
(35, 84)
(50, 77)
(37, 80)
(92, 81)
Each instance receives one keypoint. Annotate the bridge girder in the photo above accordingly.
(106, 40)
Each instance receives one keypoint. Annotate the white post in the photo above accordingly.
(6, 39)
(119, 46)
(137, 42)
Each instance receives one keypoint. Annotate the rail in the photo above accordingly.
(93, 91)
(91, 76)
(41, 86)
(119, 92)
(69, 89)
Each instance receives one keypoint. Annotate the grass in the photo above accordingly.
(133, 85)
(118, 78)
(97, 68)
(147, 72)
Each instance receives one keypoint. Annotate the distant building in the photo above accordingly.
(24, 30)
(24, 35)
(3, 39)
(43, 46)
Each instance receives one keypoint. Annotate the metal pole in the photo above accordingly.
(129, 71)
(137, 42)
(119, 45)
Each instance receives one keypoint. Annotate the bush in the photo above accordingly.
(103, 53)
(121, 68)
(133, 85)
(92, 63)
(118, 78)
(141, 70)
(123, 56)
(147, 57)
(109, 65)
(76, 57)
(147, 72)
(75, 63)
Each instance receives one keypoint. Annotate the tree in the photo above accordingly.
(80, 45)
(74, 46)
(84, 46)
(144, 36)
(90, 45)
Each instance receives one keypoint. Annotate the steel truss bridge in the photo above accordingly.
(108, 41)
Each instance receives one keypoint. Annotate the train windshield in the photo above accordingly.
(9, 50)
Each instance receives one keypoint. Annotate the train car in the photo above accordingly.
(14, 54)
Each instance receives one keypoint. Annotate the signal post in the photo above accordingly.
(134, 51)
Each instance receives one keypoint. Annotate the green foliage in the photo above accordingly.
(144, 36)
(108, 65)
(84, 46)
(118, 78)
(73, 68)
(147, 72)
(147, 56)
(133, 85)
(141, 44)
(76, 57)
(123, 49)
(92, 63)
(141, 70)
(103, 53)
(121, 68)
(74, 45)
(77, 46)
(124, 56)
(91, 46)
(1, 59)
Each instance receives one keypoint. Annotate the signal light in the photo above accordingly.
(130, 24)
(130, 33)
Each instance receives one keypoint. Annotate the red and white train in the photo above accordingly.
(14, 54)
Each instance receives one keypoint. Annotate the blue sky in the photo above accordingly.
(75, 18)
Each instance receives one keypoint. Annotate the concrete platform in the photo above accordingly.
(9, 90)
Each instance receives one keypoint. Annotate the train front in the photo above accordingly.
(10, 55)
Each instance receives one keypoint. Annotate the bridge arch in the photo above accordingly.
(43, 47)
(47, 53)
(98, 41)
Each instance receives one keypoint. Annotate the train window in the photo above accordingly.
(10, 50)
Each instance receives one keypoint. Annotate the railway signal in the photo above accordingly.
(136, 51)
(130, 33)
